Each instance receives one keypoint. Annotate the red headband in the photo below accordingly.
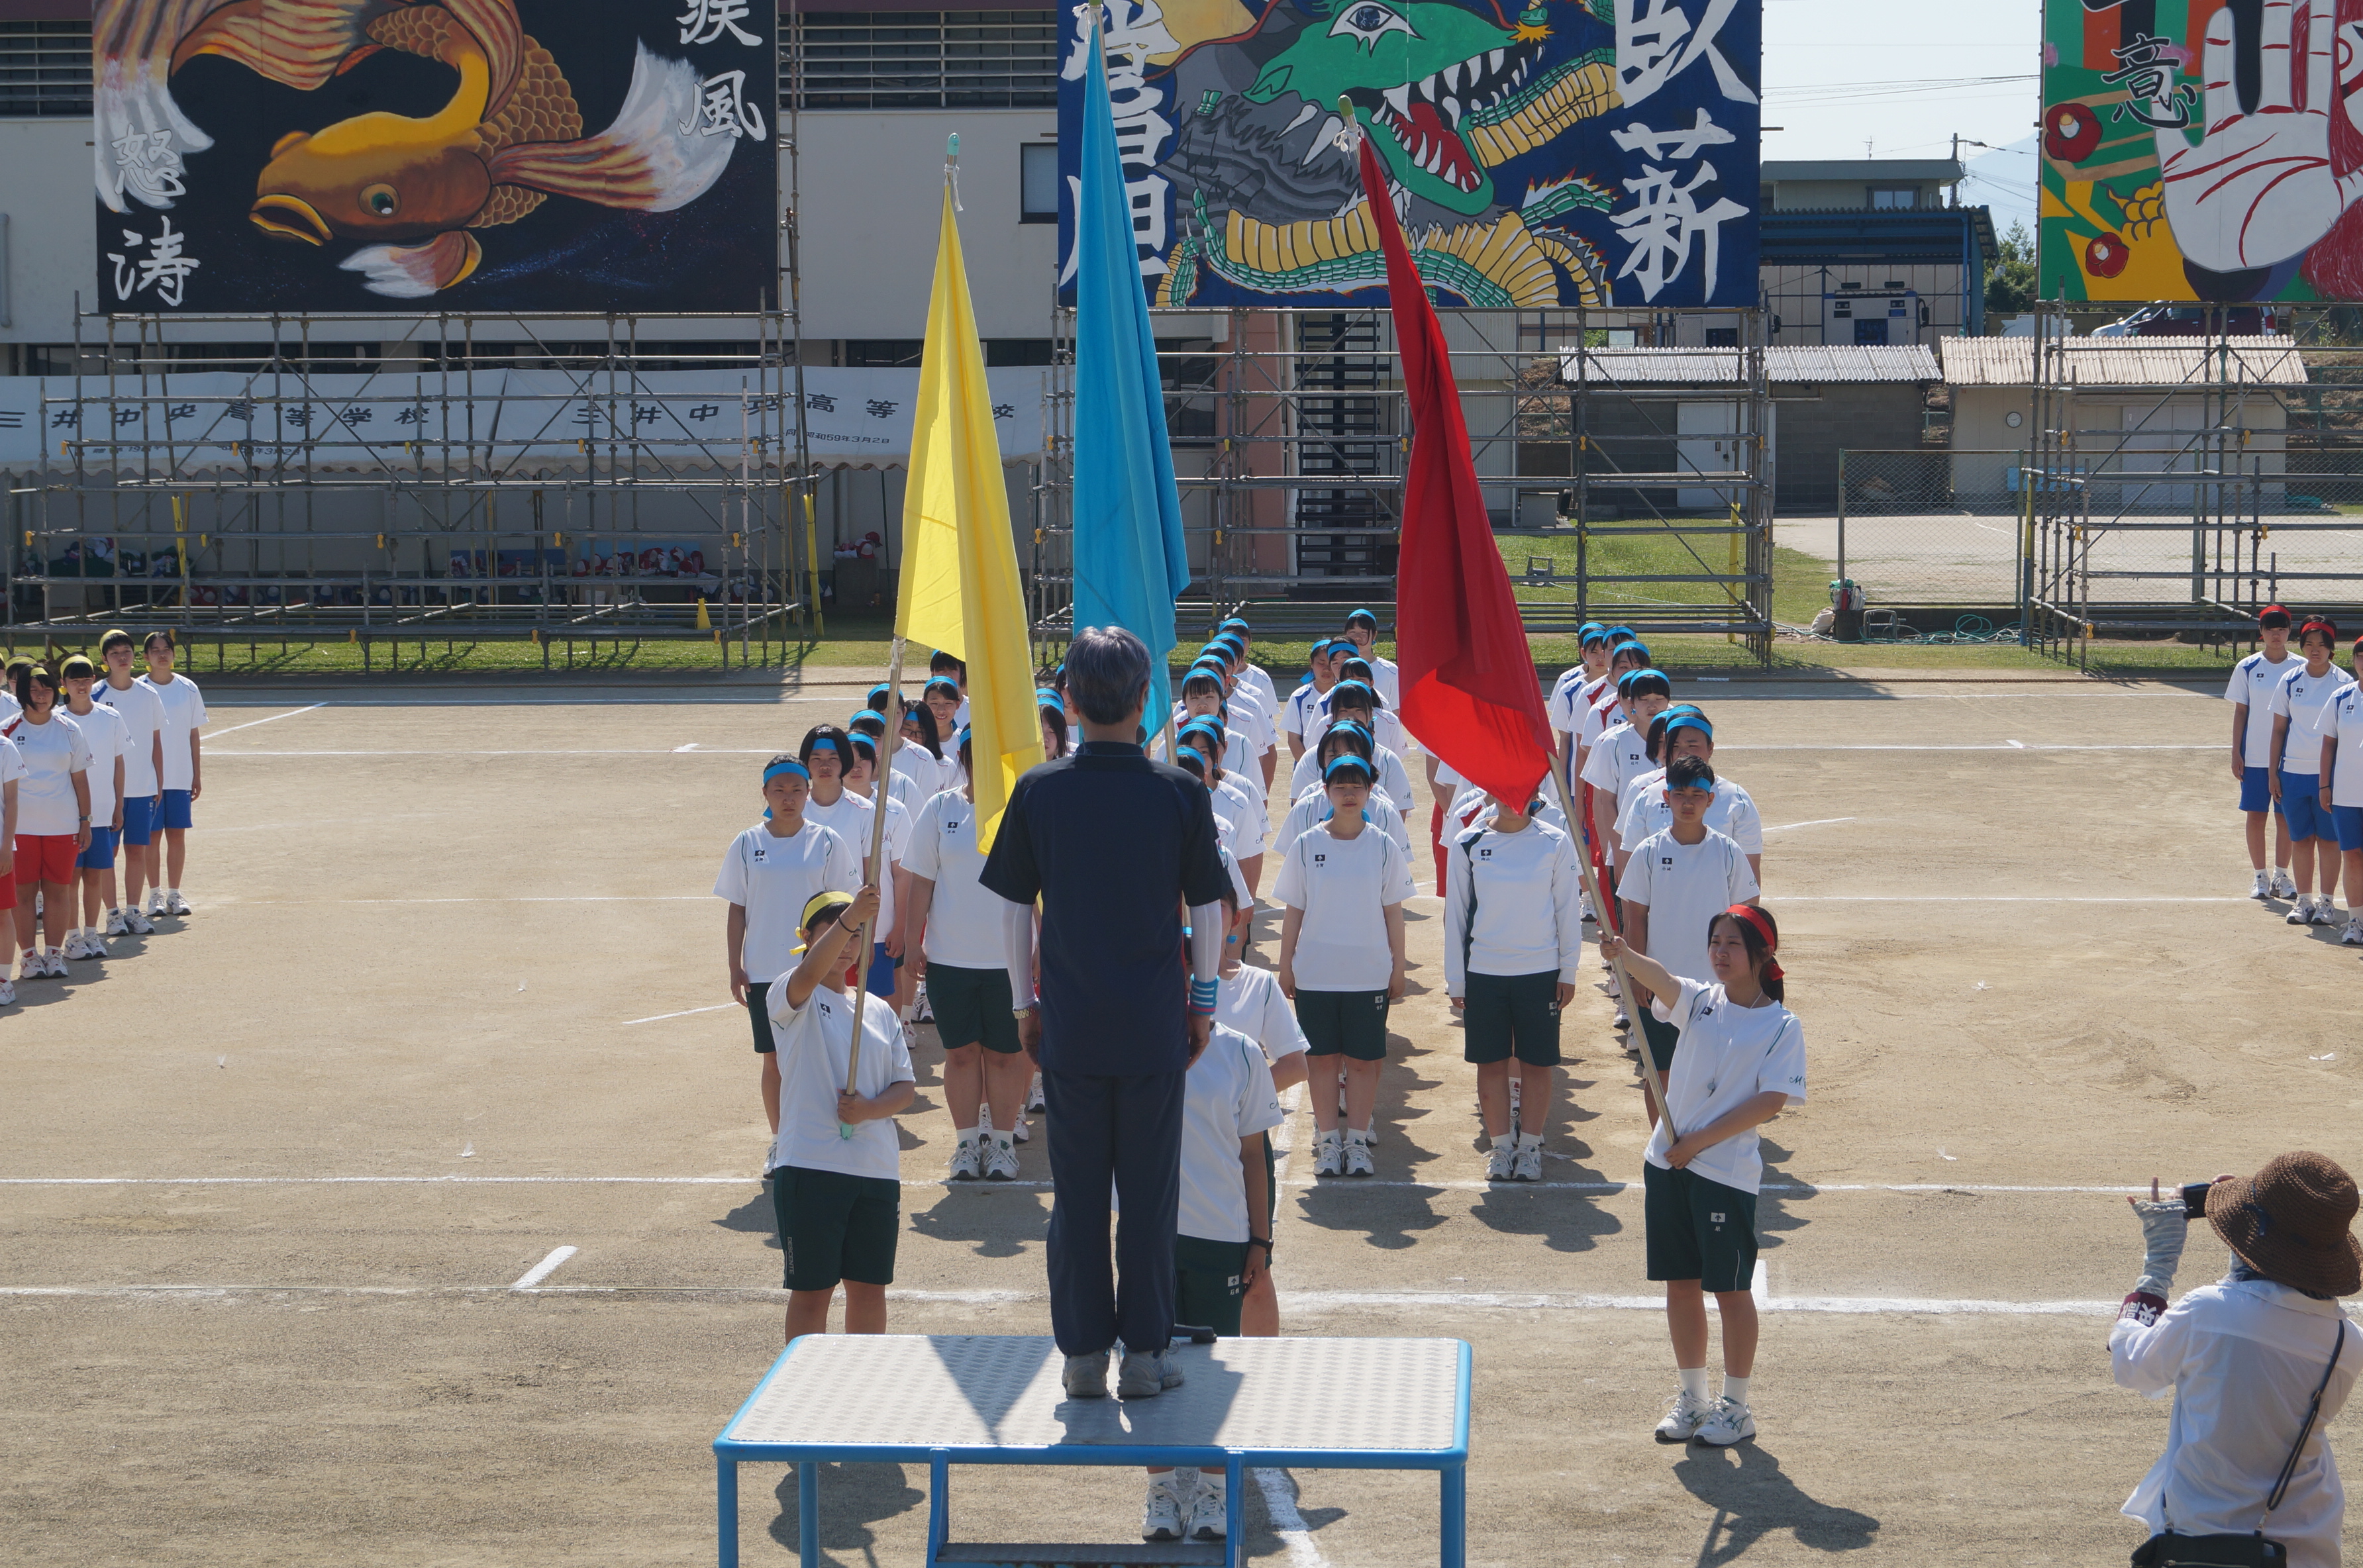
(1762, 924)
(2323, 626)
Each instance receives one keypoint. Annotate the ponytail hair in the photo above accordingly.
(1760, 951)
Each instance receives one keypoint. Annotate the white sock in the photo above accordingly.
(1529, 1140)
(1357, 1135)
(967, 1136)
(1735, 1390)
(2263, 877)
(1506, 1141)
(2279, 872)
(1694, 1381)
(1005, 1140)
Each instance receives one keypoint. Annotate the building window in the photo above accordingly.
(1870, 329)
(881, 353)
(44, 68)
(1893, 198)
(1016, 351)
(1037, 183)
(920, 60)
(1723, 338)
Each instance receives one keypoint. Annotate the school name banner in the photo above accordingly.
(1572, 152)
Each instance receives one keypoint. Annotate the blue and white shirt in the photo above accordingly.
(2252, 682)
(2304, 701)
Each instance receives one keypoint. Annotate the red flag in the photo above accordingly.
(1468, 689)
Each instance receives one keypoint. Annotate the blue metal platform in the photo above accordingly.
(946, 1399)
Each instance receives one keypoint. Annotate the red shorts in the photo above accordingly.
(45, 857)
(8, 891)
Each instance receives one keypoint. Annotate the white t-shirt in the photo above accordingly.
(2253, 680)
(1386, 728)
(850, 818)
(1251, 818)
(107, 736)
(923, 770)
(1510, 905)
(772, 879)
(1393, 778)
(1254, 677)
(1599, 718)
(1344, 887)
(1250, 999)
(1568, 700)
(1305, 704)
(185, 713)
(963, 919)
(1728, 1056)
(1314, 809)
(1684, 886)
(142, 713)
(1388, 679)
(53, 752)
(9, 706)
(12, 770)
(2343, 722)
(2304, 701)
(1732, 812)
(1226, 1097)
(814, 1042)
(1621, 755)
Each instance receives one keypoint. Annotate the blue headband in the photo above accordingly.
(1363, 615)
(787, 765)
(961, 739)
(879, 694)
(1204, 725)
(1656, 681)
(828, 741)
(1235, 621)
(1591, 632)
(1349, 760)
(1345, 688)
(1352, 726)
(945, 681)
(1047, 695)
(1689, 721)
(1622, 634)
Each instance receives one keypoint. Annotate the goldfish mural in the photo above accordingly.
(2204, 150)
(1571, 152)
(317, 155)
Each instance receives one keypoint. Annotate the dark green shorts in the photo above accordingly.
(834, 1226)
(1347, 1023)
(1271, 1187)
(1661, 1038)
(1209, 1283)
(971, 1008)
(758, 1013)
(1699, 1230)
(1511, 1015)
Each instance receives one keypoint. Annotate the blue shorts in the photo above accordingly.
(175, 811)
(2255, 788)
(138, 820)
(2301, 804)
(100, 856)
(879, 981)
(2349, 822)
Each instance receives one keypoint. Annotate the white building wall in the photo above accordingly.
(44, 189)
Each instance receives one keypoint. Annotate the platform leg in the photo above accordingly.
(1453, 1527)
(940, 1505)
(809, 1514)
(1235, 1509)
(726, 1511)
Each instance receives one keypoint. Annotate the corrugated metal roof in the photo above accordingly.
(2122, 361)
(1720, 367)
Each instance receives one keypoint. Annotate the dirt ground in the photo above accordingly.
(454, 996)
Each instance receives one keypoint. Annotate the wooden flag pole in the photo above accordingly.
(1600, 909)
(872, 866)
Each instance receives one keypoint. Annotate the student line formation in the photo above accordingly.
(95, 760)
(1681, 847)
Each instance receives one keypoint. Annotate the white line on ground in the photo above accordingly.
(1995, 898)
(1279, 1489)
(658, 1017)
(1759, 1285)
(1997, 745)
(422, 754)
(543, 1269)
(251, 723)
(1354, 1184)
(547, 899)
(679, 749)
(1817, 822)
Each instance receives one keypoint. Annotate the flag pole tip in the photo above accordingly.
(1345, 107)
(951, 144)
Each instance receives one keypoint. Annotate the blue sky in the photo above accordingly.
(1905, 75)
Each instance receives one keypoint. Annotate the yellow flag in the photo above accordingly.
(959, 590)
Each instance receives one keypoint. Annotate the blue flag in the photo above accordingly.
(1130, 562)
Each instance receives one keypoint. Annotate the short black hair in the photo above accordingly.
(1107, 672)
(837, 740)
(942, 660)
(1690, 773)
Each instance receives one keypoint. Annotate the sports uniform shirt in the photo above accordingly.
(142, 713)
(1619, 755)
(184, 713)
(1388, 679)
(1258, 680)
(1314, 809)
(103, 732)
(1303, 704)
(921, 767)
(1251, 1001)
(1728, 1056)
(53, 752)
(1386, 728)
(1569, 698)
(1684, 886)
(1510, 904)
(2242, 1358)
(1114, 846)
(2343, 722)
(813, 1042)
(851, 819)
(1599, 718)
(772, 879)
(1392, 777)
(12, 771)
(2304, 701)
(2252, 682)
(1249, 817)
(1732, 812)
(1240, 761)
(963, 919)
(1344, 885)
(1228, 1097)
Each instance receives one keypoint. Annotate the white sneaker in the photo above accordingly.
(92, 947)
(155, 905)
(8, 993)
(1727, 1424)
(2324, 913)
(56, 959)
(920, 1011)
(115, 925)
(140, 923)
(2353, 935)
(964, 1161)
(1209, 1510)
(1514, 1097)
(2301, 913)
(2264, 887)
(1683, 1418)
(29, 966)
(1000, 1162)
(1022, 1133)
(1034, 1100)
(1357, 1158)
(1530, 1164)
(177, 905)
(1500, 1162)
(1161, 1515)
(2283, 887)
(1329, 1154)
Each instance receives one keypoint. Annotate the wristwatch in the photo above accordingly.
(1025, 1011)
(1263, 1241)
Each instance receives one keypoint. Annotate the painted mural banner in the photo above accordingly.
(2205, 150)
(1571, 152)
(494, 155)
